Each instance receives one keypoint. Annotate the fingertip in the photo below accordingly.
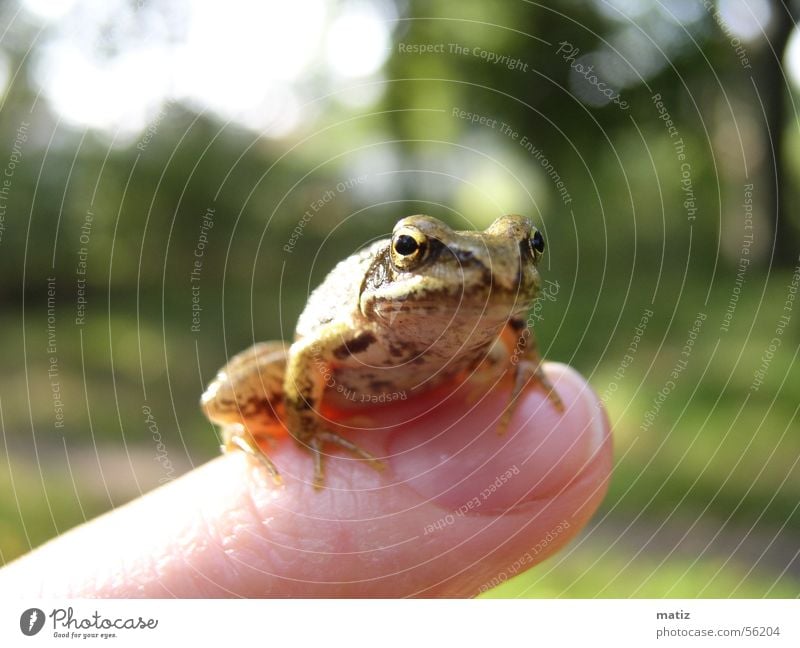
(457, 453)
(572, 386)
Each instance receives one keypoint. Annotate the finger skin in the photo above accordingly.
(457, 506)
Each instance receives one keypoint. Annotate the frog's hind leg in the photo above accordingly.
(236, 437)
(246, 399)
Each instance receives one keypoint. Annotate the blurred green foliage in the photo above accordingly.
(720, 461)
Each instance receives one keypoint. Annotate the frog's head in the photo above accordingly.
(431, 275)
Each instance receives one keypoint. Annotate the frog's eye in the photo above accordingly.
(405, 245)
(408, 247)
(537, 242)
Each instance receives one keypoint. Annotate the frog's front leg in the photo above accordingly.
(526, 365)
(308, 372)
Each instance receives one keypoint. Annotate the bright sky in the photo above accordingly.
(112, 64)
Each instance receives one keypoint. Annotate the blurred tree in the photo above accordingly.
(772, 82)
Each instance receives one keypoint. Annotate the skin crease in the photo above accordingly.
(225, 530)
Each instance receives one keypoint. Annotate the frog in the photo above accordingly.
(402, 316)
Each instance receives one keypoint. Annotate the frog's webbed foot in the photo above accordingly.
(237, 437)
(316, 442)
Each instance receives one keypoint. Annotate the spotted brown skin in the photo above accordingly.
(404, 315)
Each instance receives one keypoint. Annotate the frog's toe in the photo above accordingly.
(315, 445)
(242, 440)
(541, 379)
(332, 437)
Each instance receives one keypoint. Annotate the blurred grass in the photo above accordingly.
(617, 575)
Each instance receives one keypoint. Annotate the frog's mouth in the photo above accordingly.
(416, 303)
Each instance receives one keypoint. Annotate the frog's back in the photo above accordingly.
(336, 298)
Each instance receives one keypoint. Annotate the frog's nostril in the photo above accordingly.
(464, 255)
